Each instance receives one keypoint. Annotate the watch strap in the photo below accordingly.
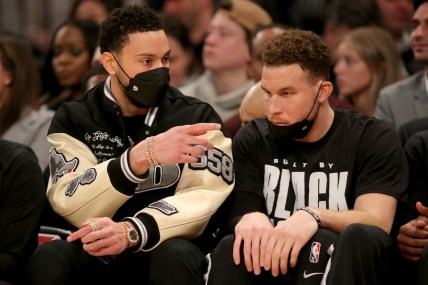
(129, 230)
(142, 232)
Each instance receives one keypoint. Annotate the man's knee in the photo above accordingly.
(225, 247)
(177, 261)
(365, 239)
(176, 250)
(176, 253)
(48, 263)
(360, 232)
(49, 253)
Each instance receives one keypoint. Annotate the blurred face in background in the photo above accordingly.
(91, 10)
(353, 75)
(258, 46)
(185, 10)
(419, 34)
(179, 62)
(225, 45)
(252, 105)
(71, 60)
(332, 35)
(397, 15)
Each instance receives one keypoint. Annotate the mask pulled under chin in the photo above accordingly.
(148, 89)
(297, 130)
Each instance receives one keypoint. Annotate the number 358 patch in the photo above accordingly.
(217, 162)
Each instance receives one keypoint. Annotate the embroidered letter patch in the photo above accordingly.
(217, 162)
(86, 178)
(59, 166)
(164, 207)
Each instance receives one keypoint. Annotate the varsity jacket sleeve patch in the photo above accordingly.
(78, 182)
(202, 188)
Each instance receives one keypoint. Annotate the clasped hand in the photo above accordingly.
(414, 235)
(272, 248)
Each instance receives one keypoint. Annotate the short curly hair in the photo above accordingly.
(302, 47)
(124, 21)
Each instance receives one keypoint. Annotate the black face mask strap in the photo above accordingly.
(120, 82)
(316, 98)
(120, 66)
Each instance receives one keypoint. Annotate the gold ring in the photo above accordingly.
(94, 226)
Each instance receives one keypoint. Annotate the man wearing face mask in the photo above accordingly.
(137, 169)
(316, 188)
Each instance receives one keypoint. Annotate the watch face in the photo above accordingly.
(133, 236)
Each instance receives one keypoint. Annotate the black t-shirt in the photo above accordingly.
(417, 155)
(358, 155)
(22, 198)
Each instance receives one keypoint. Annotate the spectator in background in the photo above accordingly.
(22, 196)
(397, 20)
(396, 17)
(183, 65)
(258, 42)
(252, 105)
(412, 239)
(96, 58)
(196, 15)
(407, 99)
(21, 119)
(96, 10)
(406, 130)
(69, 59)
(226, 57)
(95, 75)
(343, 16)
(366, 60)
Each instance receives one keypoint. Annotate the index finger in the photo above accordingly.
(202, 128)
(79, 233)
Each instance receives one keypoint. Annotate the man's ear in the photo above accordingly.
(109, 62)
(325, 91)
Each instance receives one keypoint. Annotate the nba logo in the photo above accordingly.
(315, 252)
